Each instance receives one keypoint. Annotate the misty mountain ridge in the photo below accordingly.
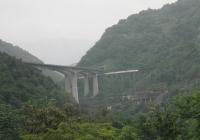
(25, 56)
(18, 52)
(163, 44)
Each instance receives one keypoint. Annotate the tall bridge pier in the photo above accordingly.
(86, 85)
(71, 83)
(95, 85)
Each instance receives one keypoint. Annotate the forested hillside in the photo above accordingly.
(20, 86)
(163, 44)
(25, 56)
(20, 83)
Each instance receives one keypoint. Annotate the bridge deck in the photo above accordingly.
(65, 67)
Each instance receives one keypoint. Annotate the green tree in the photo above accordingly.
(39, 120)
(160, 124)
(188, 108)
(9, 123)
(129, 133)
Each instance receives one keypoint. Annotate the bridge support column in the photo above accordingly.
(74, 81)
(68, 86)
(71, 83)
(95, 85)
(150, 100)
(86, 85)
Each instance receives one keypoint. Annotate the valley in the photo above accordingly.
(140, 81)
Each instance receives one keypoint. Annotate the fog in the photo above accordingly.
(61, 31)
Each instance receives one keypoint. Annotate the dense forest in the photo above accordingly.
(177, 121)
(162, 44)
(20, 83)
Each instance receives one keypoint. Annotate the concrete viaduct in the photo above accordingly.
(72, 74)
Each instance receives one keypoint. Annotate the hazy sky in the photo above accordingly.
(32, 20)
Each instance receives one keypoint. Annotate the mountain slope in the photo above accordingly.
(17, 52)
(20, 84)
(25, 56)
(163, 44)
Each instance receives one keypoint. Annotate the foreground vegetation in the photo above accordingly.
(179, 120)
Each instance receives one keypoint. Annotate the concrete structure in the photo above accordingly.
(73, 74)
(86, 85)
(143, 97)
(121, 72)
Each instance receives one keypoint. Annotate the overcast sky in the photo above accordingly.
(30, 20)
